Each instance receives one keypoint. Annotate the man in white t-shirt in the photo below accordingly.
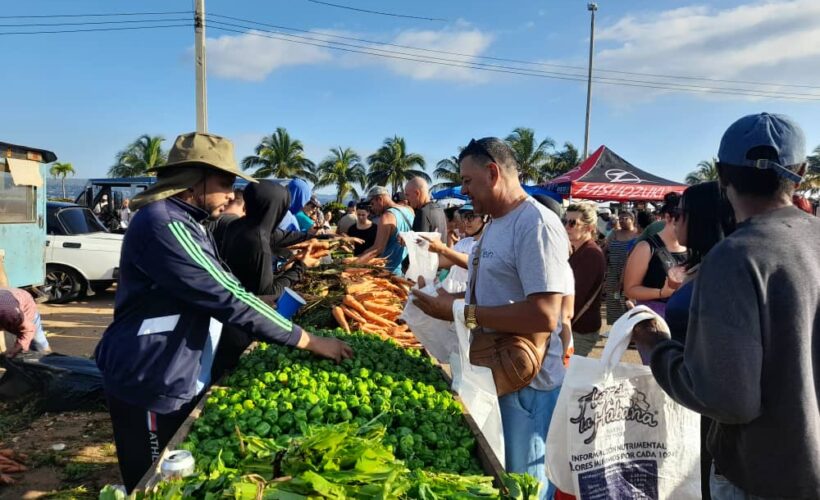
(522, 275)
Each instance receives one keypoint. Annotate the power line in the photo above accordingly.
(100, 15)
(89, 30)
(380, 13)
(512, 70)
(92, 23)
(519, 61)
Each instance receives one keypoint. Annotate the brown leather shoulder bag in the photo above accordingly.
(514, 358)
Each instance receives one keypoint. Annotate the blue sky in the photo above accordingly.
(85, 96)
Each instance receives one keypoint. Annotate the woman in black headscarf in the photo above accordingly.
(247, 246)
(248, 251)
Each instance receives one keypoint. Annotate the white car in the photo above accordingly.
(81, 255)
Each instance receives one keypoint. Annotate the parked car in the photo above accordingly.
(81, 255)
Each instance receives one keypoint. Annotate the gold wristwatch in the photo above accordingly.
(469, 316)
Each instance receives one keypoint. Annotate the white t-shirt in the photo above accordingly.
(524, 252)
(465, 245)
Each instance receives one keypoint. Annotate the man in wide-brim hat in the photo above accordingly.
(172, 298)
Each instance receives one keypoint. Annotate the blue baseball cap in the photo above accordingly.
(467, 207)
(769, 130)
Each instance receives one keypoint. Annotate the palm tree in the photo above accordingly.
(140, 155)
(343, 168)
(61, 170)
(448, 171)
(811, 181)
(392, 164)
(565, 160)
(534, 161)
(707, 171)
(280, 156)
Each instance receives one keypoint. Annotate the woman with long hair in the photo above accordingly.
(618, 243)
(648, 265)
(473, 226)
(706, 218)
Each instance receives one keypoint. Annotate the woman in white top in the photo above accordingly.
(473, 225)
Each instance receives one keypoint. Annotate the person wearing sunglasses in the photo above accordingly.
(519, 274)
(588, 266)
(618, 244)
(459, 254)
(646, 274)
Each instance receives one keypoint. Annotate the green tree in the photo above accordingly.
(391, 164)
(61, 170)
(448, 172)
(706, 171)
(280, 156)
(343, 168)
(139, 156)
(565, 160)
(533, 157)
(811, 181)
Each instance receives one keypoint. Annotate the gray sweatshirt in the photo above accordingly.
(752, 355)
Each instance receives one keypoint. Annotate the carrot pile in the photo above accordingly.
(373, 301)
(11, 463)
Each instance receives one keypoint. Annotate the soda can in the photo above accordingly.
(177, 464)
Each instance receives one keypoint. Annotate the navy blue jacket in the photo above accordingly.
(172, 298)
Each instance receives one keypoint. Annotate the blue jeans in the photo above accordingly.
(723, 489)
(525, 416)
(39, 342)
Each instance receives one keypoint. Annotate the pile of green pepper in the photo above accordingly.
(277, 391)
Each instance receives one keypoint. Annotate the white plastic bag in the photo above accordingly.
(422, 262)
(616, 434)
(476, 387)
(437, 336)
(456, 280)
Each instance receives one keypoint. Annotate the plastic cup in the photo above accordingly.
(676, 275)
(289, 303)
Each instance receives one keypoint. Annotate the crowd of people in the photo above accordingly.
(731, 265)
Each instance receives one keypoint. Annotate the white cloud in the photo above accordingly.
(252, 58)
(470, 43)
(766, 41)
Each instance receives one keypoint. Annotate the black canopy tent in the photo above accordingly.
(606, 176)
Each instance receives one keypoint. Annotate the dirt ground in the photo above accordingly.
(88, 460)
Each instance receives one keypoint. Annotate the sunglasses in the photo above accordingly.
(475, 147)
(570, 222)
(470, 217)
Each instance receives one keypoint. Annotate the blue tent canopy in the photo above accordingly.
(531, 190)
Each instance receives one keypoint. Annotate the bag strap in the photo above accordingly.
(476, 259)
(403, 216)
(588, 304)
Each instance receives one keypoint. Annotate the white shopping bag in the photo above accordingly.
(616, 434)
(422, 261)
(476, 387)
(437, 336)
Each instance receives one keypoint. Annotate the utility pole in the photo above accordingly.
(592, 7)
(199, 63)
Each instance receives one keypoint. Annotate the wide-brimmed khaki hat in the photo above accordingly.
(197, 148)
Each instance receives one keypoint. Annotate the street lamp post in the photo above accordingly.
(592, 7)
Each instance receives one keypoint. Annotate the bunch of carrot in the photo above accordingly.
(10, 463)
(373, 301)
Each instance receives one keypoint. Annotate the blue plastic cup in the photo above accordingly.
(289, 303)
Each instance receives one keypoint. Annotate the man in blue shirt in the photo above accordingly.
(393, 220)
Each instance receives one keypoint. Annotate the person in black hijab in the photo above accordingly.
(248, 251)
(247, 245)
